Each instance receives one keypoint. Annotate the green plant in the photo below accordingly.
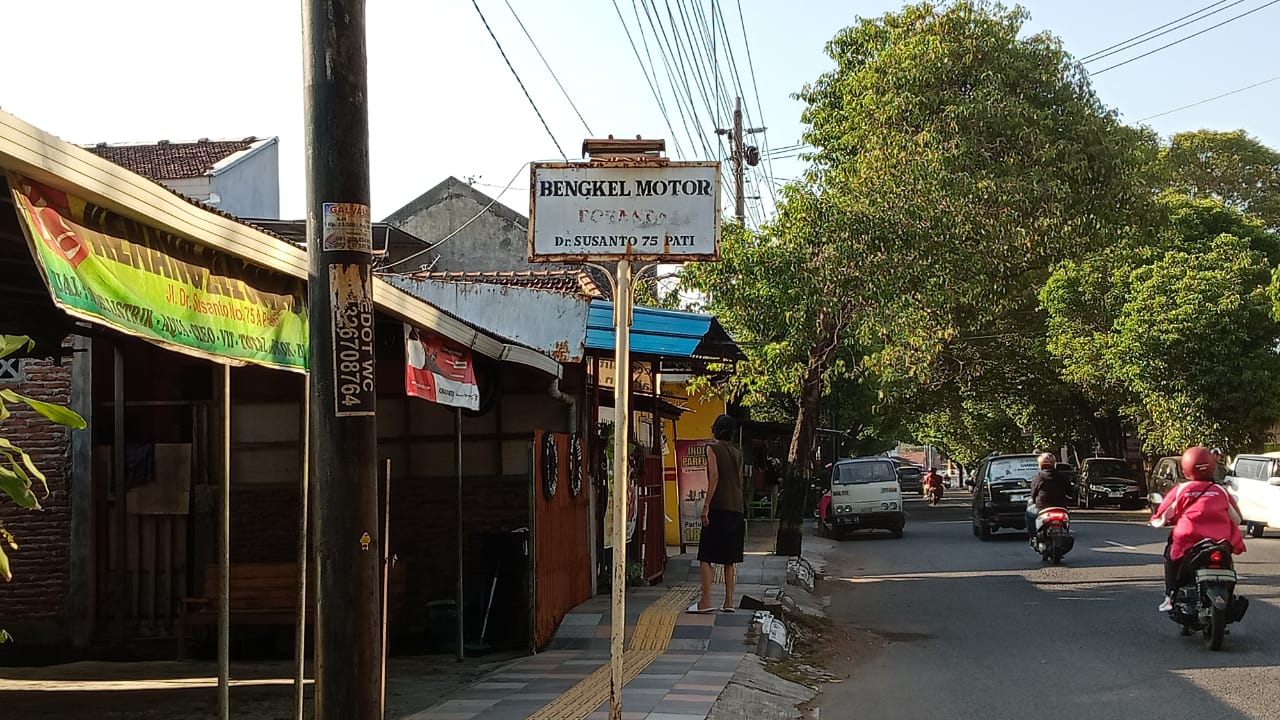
(18, 472)
(635, 574)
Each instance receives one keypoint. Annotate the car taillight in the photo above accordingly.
(1215, 559)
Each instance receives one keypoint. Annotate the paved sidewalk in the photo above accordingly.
(677, 665)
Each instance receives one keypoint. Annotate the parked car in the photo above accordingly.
(1107, 480)
(910, 476)
(864, 495)
(1165, 475)
(1001, 487)
(1255, 479)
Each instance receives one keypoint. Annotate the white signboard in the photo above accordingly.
(609, 212)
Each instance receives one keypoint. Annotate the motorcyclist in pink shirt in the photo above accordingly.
(1198, 509)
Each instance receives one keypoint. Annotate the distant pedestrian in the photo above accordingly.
(1220, 470)
(723, 515)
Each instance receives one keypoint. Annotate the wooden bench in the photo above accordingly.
(264, 593)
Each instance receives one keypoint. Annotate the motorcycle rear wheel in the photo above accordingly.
(1216, 629)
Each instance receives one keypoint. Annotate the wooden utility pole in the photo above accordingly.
(741, 156)
(739, 202)
(340, 304)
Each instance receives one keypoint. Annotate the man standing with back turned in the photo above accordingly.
(723, 520)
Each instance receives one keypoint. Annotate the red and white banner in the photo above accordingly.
(439, 370)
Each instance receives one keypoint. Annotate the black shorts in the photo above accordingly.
(722, 538)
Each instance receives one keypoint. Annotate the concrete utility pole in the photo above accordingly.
(340, 304)
(741, 157)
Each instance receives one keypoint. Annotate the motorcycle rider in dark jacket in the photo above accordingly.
(1049, 488)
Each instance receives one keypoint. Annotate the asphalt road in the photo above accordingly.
(974, 629)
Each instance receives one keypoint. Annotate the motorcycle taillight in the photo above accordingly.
(1057, 516)
(1215, 559)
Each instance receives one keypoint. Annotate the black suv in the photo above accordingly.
(1107, 480)
(910, 476)
(1001, 487)
(1166, 474)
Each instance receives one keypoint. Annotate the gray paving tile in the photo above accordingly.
(691, 631)
(576, 631)
(583, 618)
(726, 644)
(688, 644)
(697, 709)
(494, 685)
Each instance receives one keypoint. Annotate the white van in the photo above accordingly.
(864, 495)
(1255, 479)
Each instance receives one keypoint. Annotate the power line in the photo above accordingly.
(1127, 43)
(668, 52)
(547, 65)
(694, 139)
(1195, 34)
(1208, 100)
(751, 66)
(652, 87)
(519, 81)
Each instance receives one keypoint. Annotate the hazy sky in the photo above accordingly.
(442, 101)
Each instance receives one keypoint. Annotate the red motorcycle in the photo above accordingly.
(933, 487)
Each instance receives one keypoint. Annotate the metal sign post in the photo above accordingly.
(621, 435)
(627, 203)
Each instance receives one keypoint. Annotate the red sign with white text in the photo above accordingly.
(439, 370)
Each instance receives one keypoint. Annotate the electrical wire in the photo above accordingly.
(694, 139)
(1208, 100)
(675, 140)
(547, 65)
(667, 53)
(755, 88)
(463, 226)
(1182, 40)
(1139, 39)
(519, 81)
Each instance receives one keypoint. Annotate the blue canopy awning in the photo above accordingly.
(663, 333)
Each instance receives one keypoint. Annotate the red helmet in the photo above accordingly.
(1198, 463)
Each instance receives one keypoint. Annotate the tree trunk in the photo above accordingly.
(795, 486)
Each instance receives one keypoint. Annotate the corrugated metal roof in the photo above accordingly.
(665, 333)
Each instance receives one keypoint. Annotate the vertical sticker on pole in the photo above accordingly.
(347, 227)
(351, 305)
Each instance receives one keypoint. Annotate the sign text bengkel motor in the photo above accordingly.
(624, 188)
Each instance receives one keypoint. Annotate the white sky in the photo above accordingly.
(442, 101)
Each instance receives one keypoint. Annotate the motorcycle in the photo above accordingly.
(1206, 599)
(1053, 538)
(934, 493)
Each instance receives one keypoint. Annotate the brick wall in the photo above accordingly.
(40, 565)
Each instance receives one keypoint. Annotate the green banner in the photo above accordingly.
(110, 269)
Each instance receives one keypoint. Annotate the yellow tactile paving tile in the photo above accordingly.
(650, 638)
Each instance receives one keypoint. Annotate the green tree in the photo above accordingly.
(975, 157)
(1176, 332)
(1231, 166)
(18, 473)
(955, 161)
(785, 295)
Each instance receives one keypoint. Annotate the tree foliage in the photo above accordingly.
(1231, 166)
(970, 158)
(18, 473)
(1176, 331)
